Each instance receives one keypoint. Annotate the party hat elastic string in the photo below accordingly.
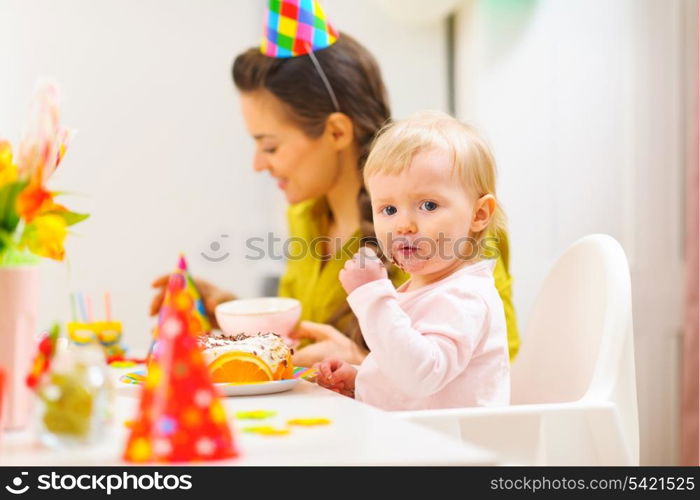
(322, 74)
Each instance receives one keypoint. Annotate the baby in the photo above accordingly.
(439, 340)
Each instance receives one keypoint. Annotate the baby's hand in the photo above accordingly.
(365, 266)
(337, 375)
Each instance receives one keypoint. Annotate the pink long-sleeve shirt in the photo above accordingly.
(441, 346)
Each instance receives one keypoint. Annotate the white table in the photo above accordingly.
(358, 435)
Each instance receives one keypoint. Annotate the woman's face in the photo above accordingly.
(304, 167)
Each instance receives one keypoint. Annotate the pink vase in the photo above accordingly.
(2, 396)
(19, 304)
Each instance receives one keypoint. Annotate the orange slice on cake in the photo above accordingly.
(285, 369)
(240, 367)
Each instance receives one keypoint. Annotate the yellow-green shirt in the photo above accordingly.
(316, 285)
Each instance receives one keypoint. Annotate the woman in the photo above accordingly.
(312, 128)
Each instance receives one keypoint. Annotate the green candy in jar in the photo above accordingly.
(75, 396)
(68, 404)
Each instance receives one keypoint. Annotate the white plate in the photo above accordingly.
(128, 385)
(256, 389)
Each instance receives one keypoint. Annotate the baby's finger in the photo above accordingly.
(344, 372)
(325, 370)
(368, 253)
(334, 364)
(322, 376)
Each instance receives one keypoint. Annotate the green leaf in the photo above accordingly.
(71, 217)
(12, 256)
(8, 198)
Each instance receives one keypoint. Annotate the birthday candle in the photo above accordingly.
(108, 308)
(72, 307)
(88, 300)
(81, 303)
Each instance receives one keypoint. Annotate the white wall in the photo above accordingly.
(161, 159)
(589, 106)
(584, 101)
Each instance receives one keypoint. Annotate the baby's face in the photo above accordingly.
(422, 216)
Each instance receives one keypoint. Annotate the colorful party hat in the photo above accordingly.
(296, 27)
(190, 300)
(181, 418)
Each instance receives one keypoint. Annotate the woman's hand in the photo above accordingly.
(329, 343)
(337, 375)
(212, 296)
(365, 266)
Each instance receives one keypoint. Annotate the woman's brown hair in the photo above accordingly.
(356, 80)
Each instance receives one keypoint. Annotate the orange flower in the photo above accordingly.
(45, 236)
(23, 176)
(33, 201)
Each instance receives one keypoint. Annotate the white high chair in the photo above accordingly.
(574, 395)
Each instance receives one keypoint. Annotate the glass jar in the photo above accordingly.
(75, 398)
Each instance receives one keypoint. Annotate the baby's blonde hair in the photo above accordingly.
(397, 143)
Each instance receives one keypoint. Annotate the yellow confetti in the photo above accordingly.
(255, 414)
(122, 364)
(266, 430)
(308, 422)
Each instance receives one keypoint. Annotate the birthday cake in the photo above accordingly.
(245, 359)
